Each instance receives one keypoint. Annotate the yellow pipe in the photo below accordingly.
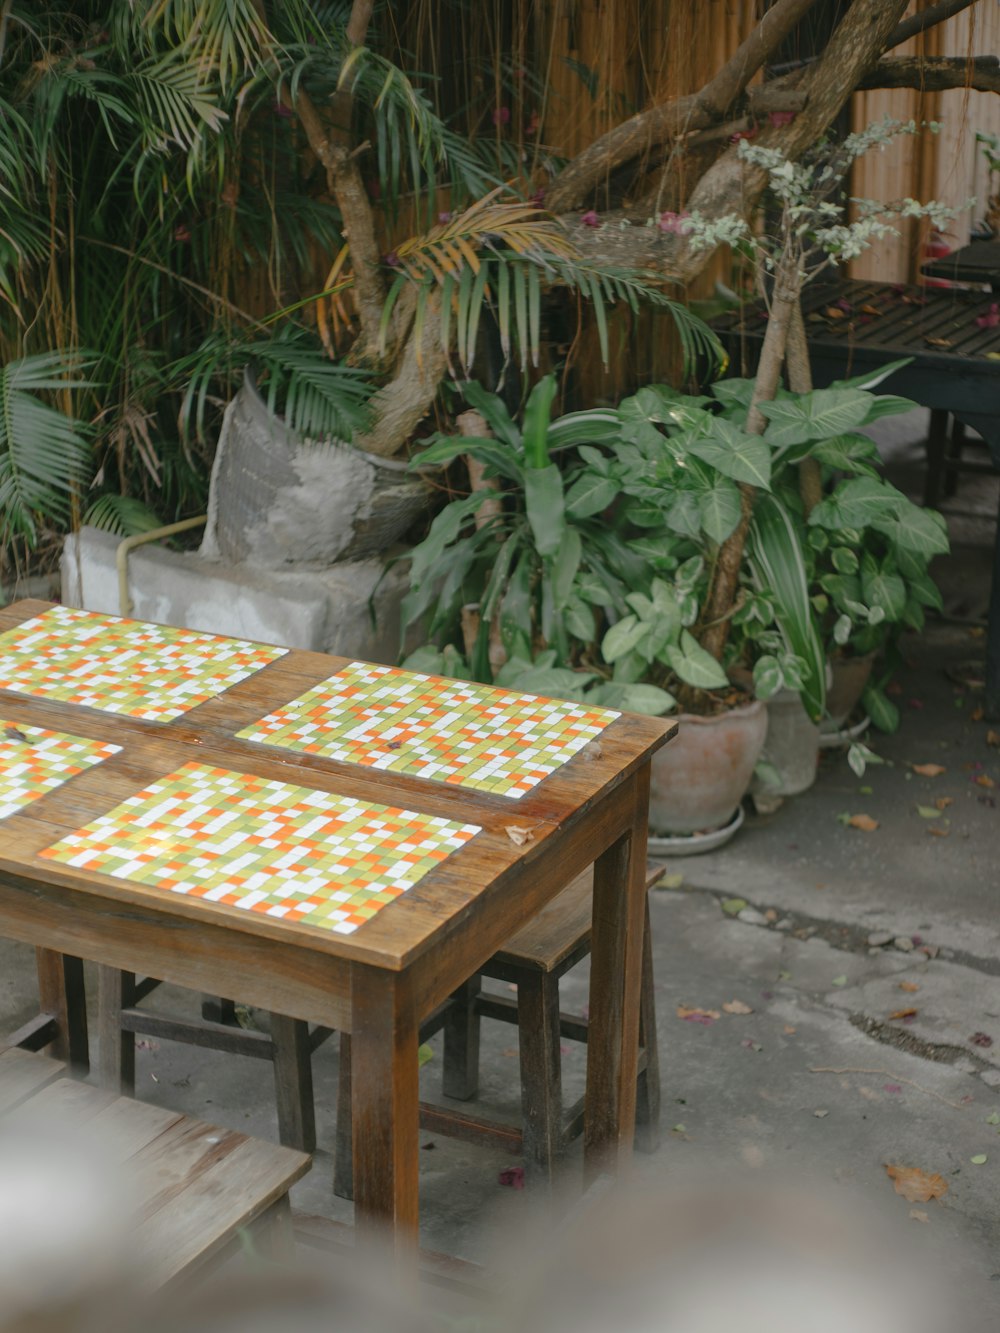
(140, 539)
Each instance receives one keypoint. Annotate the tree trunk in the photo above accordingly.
(800, 381)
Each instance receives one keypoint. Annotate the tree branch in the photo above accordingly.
(935, 73)
(658, 124)
(926, 18)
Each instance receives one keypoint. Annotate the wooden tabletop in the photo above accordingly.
(511, 832)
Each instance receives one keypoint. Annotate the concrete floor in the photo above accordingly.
(802, 1102)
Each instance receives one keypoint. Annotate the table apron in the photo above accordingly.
(499, 915)
(285, 978)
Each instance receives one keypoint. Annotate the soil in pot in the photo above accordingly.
(700, 777)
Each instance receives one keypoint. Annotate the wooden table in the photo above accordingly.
(370, 965)
(856, 326)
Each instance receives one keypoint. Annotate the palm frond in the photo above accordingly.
(44, 454)
(122, 514)
(222, 39)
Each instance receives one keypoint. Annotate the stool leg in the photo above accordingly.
(116, 1058)
(460, 1078)
(541, 1073)
(61, 994)
(647, 1105)
(273, 1233)
(293, 1083)
(343, 1159)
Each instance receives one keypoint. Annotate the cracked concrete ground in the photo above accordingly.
(828, 1079)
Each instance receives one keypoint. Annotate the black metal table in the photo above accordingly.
(979, 261)
(954, 343)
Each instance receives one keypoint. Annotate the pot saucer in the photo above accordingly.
(691, 844)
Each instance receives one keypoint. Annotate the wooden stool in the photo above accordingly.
(196, 1185)
(534, 960)
(289, 1047)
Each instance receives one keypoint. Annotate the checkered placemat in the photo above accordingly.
(34, 761)
(123, 666)
(449, 730)
(285, 851)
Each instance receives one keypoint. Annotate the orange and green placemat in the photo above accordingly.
(154, 672)
(447, 730)
(285, 851)
(34, 761)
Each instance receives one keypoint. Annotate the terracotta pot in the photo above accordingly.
(700, 777)
(848, 678)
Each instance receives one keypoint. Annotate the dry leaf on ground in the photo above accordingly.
(993, 737)
(915, 1185)
(917, 1216)
(910, 986)
(984, 780)
(695, 1015)
(936, 832)
(863, 822)
(929, 770)
(737, 1007)
(904, 1013)
(943, 802)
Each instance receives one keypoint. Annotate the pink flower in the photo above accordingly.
(444, 217)
(501, 116)
(779, 118)
(674, 223)
(532, 124)
(391, 260)
(512, 1176)
(751, 133)
(991, 319)
(182, 233)
(590, 219)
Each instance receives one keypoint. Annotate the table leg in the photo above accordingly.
(385, 1107)
(615, 990)
(61, 992)
(991, 701)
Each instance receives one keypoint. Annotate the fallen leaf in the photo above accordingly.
(519, 836)
(13, 734)
(821, 1115)
(669, 882)
(978, 713)
(678, 1129)
(832, 312)
(981, 1039)
(694, 1015)
(512, 1176)
(839, 981)
(927, 811)
(917, 1216)
(751, 1045)
(979, 1159)
(789, 1030)
(904, 1013)
(984, 780)
(892, 1087)
(870, 310)
(991, 319)
(993, 1118)
(936, 832)
(910, 986)
(737, 1007)
(424, 1054)
(771, 914)
(937, 342)
(929, 770)
(864, 822)
(914, 1185)
(992, 737)
(943, 802)
(732, 906)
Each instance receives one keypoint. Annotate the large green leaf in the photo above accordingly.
(495, 413)
(545, 505)
(632, 698)
(720, 509)
(599, 425)
(846, 453)
(694, 665)
(779, 566)
(921, 531)
(861, 502)
(623, 637)
(537, 412)
(590, 494)
(735, 454)
(814, 416)
(882, 587)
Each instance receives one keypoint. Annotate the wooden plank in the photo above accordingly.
(65, 1101)
(23, 1074)
(131, 1126)
(220, 1192)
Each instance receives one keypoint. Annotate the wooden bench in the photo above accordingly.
(194, 1186)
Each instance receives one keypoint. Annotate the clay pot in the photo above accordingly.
(792, 747)
(848, 678)
(700, 777)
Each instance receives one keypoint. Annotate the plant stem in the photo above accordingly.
(800, 381)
